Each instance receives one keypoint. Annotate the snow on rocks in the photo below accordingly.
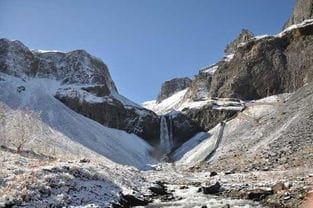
(70, 131)
(178, 103)
(40, 182)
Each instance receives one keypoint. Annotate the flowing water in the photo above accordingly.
(166, 134)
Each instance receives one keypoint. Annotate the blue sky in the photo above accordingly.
(144, 42)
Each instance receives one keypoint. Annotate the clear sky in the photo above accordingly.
(144, 42)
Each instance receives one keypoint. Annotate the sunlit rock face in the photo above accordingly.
(267, 66)
(303, 10)
(172, 86)
(243, 37)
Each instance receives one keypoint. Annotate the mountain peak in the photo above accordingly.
(74, 67)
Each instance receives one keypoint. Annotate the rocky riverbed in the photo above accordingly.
(178, 187)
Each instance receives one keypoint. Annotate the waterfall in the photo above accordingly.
(166, 134)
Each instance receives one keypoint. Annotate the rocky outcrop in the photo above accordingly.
(75, 67)
(114, 114)
(184, 128)
(200, 85)
(243, 37)
(303, 10)
(268, 66)
(172, 86)
(207, 117)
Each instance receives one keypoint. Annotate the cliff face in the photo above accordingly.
(168, 88)
(87, 86)
(267, 66)
(75, 67)
(243, 37)
(254, 68)
(303, 10)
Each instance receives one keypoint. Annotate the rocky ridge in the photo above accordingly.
(303, 10)
(243, 37)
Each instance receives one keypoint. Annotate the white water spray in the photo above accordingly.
(166, 134)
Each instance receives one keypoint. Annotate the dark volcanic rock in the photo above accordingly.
(267, 66)
(206, 117)
(214, 189)
(258, 195)
(158, 190)
(114, 115)
(303, 10)
(244, 36)
(184, 128)
(170, 87)
(130, 201)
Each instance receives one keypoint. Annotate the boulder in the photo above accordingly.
(214, 189)
(259, 194)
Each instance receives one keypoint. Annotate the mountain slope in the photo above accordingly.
(38, 96)
(90, 89)
(274, 132)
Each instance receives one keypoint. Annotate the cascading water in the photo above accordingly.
(166, 134)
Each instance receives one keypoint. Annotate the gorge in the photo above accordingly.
(237, 134)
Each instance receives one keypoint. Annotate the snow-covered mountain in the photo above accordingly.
(241, 128)
(84, 84)
(68, 130)
(63, 150)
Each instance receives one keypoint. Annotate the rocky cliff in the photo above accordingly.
(87, 86)
(172, 86)
(253, 68)
(303, 10)
(243, 37)
(267, 66)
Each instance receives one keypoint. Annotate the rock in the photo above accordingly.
(199, 87)
(158, 189)
(303, 10)
(183, 187)
(184, 128)
(172, 86)
(278, 187)
(130, 201)
(287, 196)
(243, 37)
(258, 195)
(214, 189)
(84, 160)
(206, 117)
(213, 173)
(168, 197)
(267, 66)
(112, 113)
(229, 172)
(20, 89)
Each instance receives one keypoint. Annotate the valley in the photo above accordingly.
(237, 134)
